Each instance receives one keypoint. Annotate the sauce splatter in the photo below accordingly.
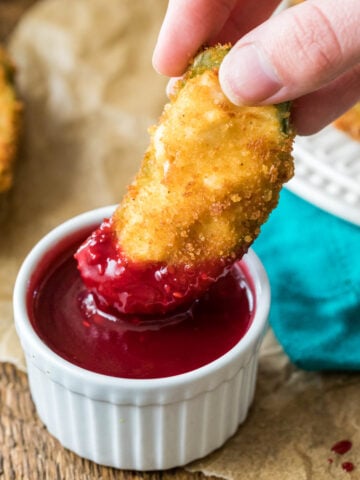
(348, 466)
(341, 447)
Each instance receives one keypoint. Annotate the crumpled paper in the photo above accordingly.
(90, 93)
(84, 74)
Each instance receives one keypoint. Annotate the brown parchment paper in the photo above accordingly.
(90, 93)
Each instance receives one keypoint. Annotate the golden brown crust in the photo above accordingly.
(10, 109)
(209, 179)
(350, 122)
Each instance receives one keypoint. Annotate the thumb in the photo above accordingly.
(294, 53)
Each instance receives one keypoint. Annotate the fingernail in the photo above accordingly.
(247, 76)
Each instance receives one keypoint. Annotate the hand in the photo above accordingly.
(309, 53)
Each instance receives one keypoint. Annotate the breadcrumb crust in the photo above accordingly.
(209, 179)
(349, 122)
(10, 109)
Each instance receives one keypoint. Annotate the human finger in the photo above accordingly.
(294, 53)
(244, 17)
(314, 111)
(189, 24)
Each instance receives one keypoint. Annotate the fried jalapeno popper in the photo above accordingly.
(10, 111)
(349, 122)
(209, 179)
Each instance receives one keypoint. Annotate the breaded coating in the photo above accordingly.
(349, 122)
(210, 177)
(10, 109)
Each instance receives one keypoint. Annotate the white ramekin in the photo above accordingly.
(138, 424)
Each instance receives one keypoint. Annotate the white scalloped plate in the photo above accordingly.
(327, 173)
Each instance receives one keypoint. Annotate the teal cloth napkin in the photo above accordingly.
(313, 262)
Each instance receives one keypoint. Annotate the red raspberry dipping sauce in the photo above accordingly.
(65, 316)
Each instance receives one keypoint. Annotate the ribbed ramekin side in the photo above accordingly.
(151, 437)
(203, 423)
(174, 434)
